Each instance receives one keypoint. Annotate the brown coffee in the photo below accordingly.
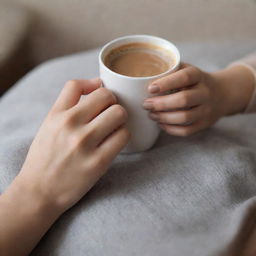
(139, 60)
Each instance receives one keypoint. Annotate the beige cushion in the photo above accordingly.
(64, 26)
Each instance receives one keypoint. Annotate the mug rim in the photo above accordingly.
(177, 56)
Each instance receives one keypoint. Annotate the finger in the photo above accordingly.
(93, 105)
(187, 76)
(177, 130)
(72, 91)
(113, 144)
(183, 117)
(106, 123)
(108, 150)
(183, 99)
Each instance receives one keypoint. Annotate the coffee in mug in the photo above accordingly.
(127, 66)
(139, 60)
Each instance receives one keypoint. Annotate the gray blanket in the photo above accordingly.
(187, 196)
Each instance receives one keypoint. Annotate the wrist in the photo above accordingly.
(25, 218)
(24, 196)
(235, 85)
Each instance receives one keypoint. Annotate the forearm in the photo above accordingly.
(236, 86)
(24, 219)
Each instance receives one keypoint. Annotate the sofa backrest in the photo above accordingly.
(64, 26)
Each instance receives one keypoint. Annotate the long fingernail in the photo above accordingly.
(153, 116)
(148, 105)
(153, 88)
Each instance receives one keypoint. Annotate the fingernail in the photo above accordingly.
(148, 105)
(153, 116)
(153, 88)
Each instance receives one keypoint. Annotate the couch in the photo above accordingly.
(34, 31)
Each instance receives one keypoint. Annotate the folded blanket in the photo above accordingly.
(186, 196)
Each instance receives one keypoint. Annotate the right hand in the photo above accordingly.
(75, 144)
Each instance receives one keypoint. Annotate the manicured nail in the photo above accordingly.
(148, 105)
(153, 88)
(153, 116)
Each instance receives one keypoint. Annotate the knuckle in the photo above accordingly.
(51, 114)
(103, 90)
(161, 116)
(119, 111)
(160, 105)
(70, 85)
(99, 162)
(89, 133)
(78, 140)
(75, 140)
(69, 116)
(164, 117)
(207, 93)
(195, 70)
(107, 95)
(66, 120)
(185, 77)
(184, 99)
(185, 117)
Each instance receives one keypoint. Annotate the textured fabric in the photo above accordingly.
(250, 62)
(186, 196)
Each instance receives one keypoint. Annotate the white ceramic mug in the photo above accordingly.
(132, 91)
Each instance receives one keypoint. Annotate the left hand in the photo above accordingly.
(194, 104)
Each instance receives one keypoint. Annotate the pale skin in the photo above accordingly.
(79, 139)
(201, 100)
(71, 151)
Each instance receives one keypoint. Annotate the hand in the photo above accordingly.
(73, 148)
(75, 144)
(193, 107)
(199, 98)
